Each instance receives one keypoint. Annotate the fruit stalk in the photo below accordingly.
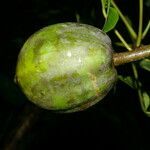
(134, 55)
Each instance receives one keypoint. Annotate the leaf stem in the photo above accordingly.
(138, 85)
(146, 30)
(139, 38)
(128, 26)
(122, 40)
(108, 6)
(103, 9)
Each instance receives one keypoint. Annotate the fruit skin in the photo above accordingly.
(66, 67)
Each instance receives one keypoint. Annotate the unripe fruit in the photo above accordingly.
(66, 67)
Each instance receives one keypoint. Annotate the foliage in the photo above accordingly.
(111, 19)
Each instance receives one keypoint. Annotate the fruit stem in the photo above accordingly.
(134, 55)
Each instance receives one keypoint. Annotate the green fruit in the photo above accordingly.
(66, 67)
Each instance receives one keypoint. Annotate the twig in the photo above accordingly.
(136, 54)
(28, 118)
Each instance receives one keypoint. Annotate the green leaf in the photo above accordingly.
(145, 64)
(128, 80)
(111, 20)
(145, 103)
(146, 100)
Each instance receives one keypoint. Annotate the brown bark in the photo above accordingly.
(134, 55)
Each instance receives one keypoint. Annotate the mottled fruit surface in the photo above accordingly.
(66, 67)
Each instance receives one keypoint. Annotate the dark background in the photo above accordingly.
(117, 121)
